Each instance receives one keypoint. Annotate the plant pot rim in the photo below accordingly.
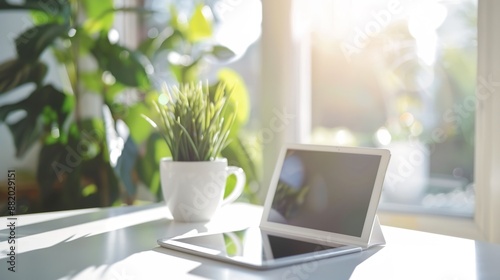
(219, 159)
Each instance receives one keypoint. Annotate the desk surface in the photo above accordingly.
(120, 243)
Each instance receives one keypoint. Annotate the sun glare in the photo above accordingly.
(425, 17)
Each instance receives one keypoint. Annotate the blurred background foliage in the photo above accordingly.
(102, 152)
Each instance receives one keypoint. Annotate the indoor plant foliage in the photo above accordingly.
(76, 34)
(194, 123)
(75, 168)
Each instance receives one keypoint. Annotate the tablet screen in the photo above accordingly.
(328, 191)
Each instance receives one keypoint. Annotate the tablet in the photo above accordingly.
(322, 202)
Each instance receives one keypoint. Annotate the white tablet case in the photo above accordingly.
(375, 236)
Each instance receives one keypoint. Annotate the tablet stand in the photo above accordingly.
(376, 236)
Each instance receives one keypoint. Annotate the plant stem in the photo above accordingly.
(75, 50)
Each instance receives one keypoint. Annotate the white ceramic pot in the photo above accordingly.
(194, 190)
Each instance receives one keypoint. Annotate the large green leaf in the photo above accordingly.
(148, 165)
(125, 166)
(148, 47)
(125, 65)
(93, 82)
(28, 129)
(25, 133)
(48, 6)
(239, 100)
(52, 167)
(139, 127)
(221, 52)
(14, 73)
(84, 156)
(165, 41)
(112, 188)
(96, 165)
(237, 154)
(176, 21)
(189, 73)
(90, 138)
(50, 11)
(32, 42)
(99, 15)
(200, 24)
(85, 42)
(78, 173)
(122, 151)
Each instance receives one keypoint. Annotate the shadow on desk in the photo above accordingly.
(91, 242)
(120, 243)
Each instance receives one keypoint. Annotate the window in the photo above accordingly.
(395, 74)
(441, 95)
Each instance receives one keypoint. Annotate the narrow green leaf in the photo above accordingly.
(195, 124)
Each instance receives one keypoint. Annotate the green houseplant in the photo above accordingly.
(105, 167)
(192, 39)
(195, 125)
(75, 166)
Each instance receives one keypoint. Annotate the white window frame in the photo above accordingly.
(286, 86)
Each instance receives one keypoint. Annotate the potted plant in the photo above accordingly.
(195, 125)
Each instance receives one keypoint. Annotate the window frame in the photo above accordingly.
(286, 86)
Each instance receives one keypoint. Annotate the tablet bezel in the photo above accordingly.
(325, 237)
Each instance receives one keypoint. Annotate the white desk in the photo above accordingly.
(120, 244)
